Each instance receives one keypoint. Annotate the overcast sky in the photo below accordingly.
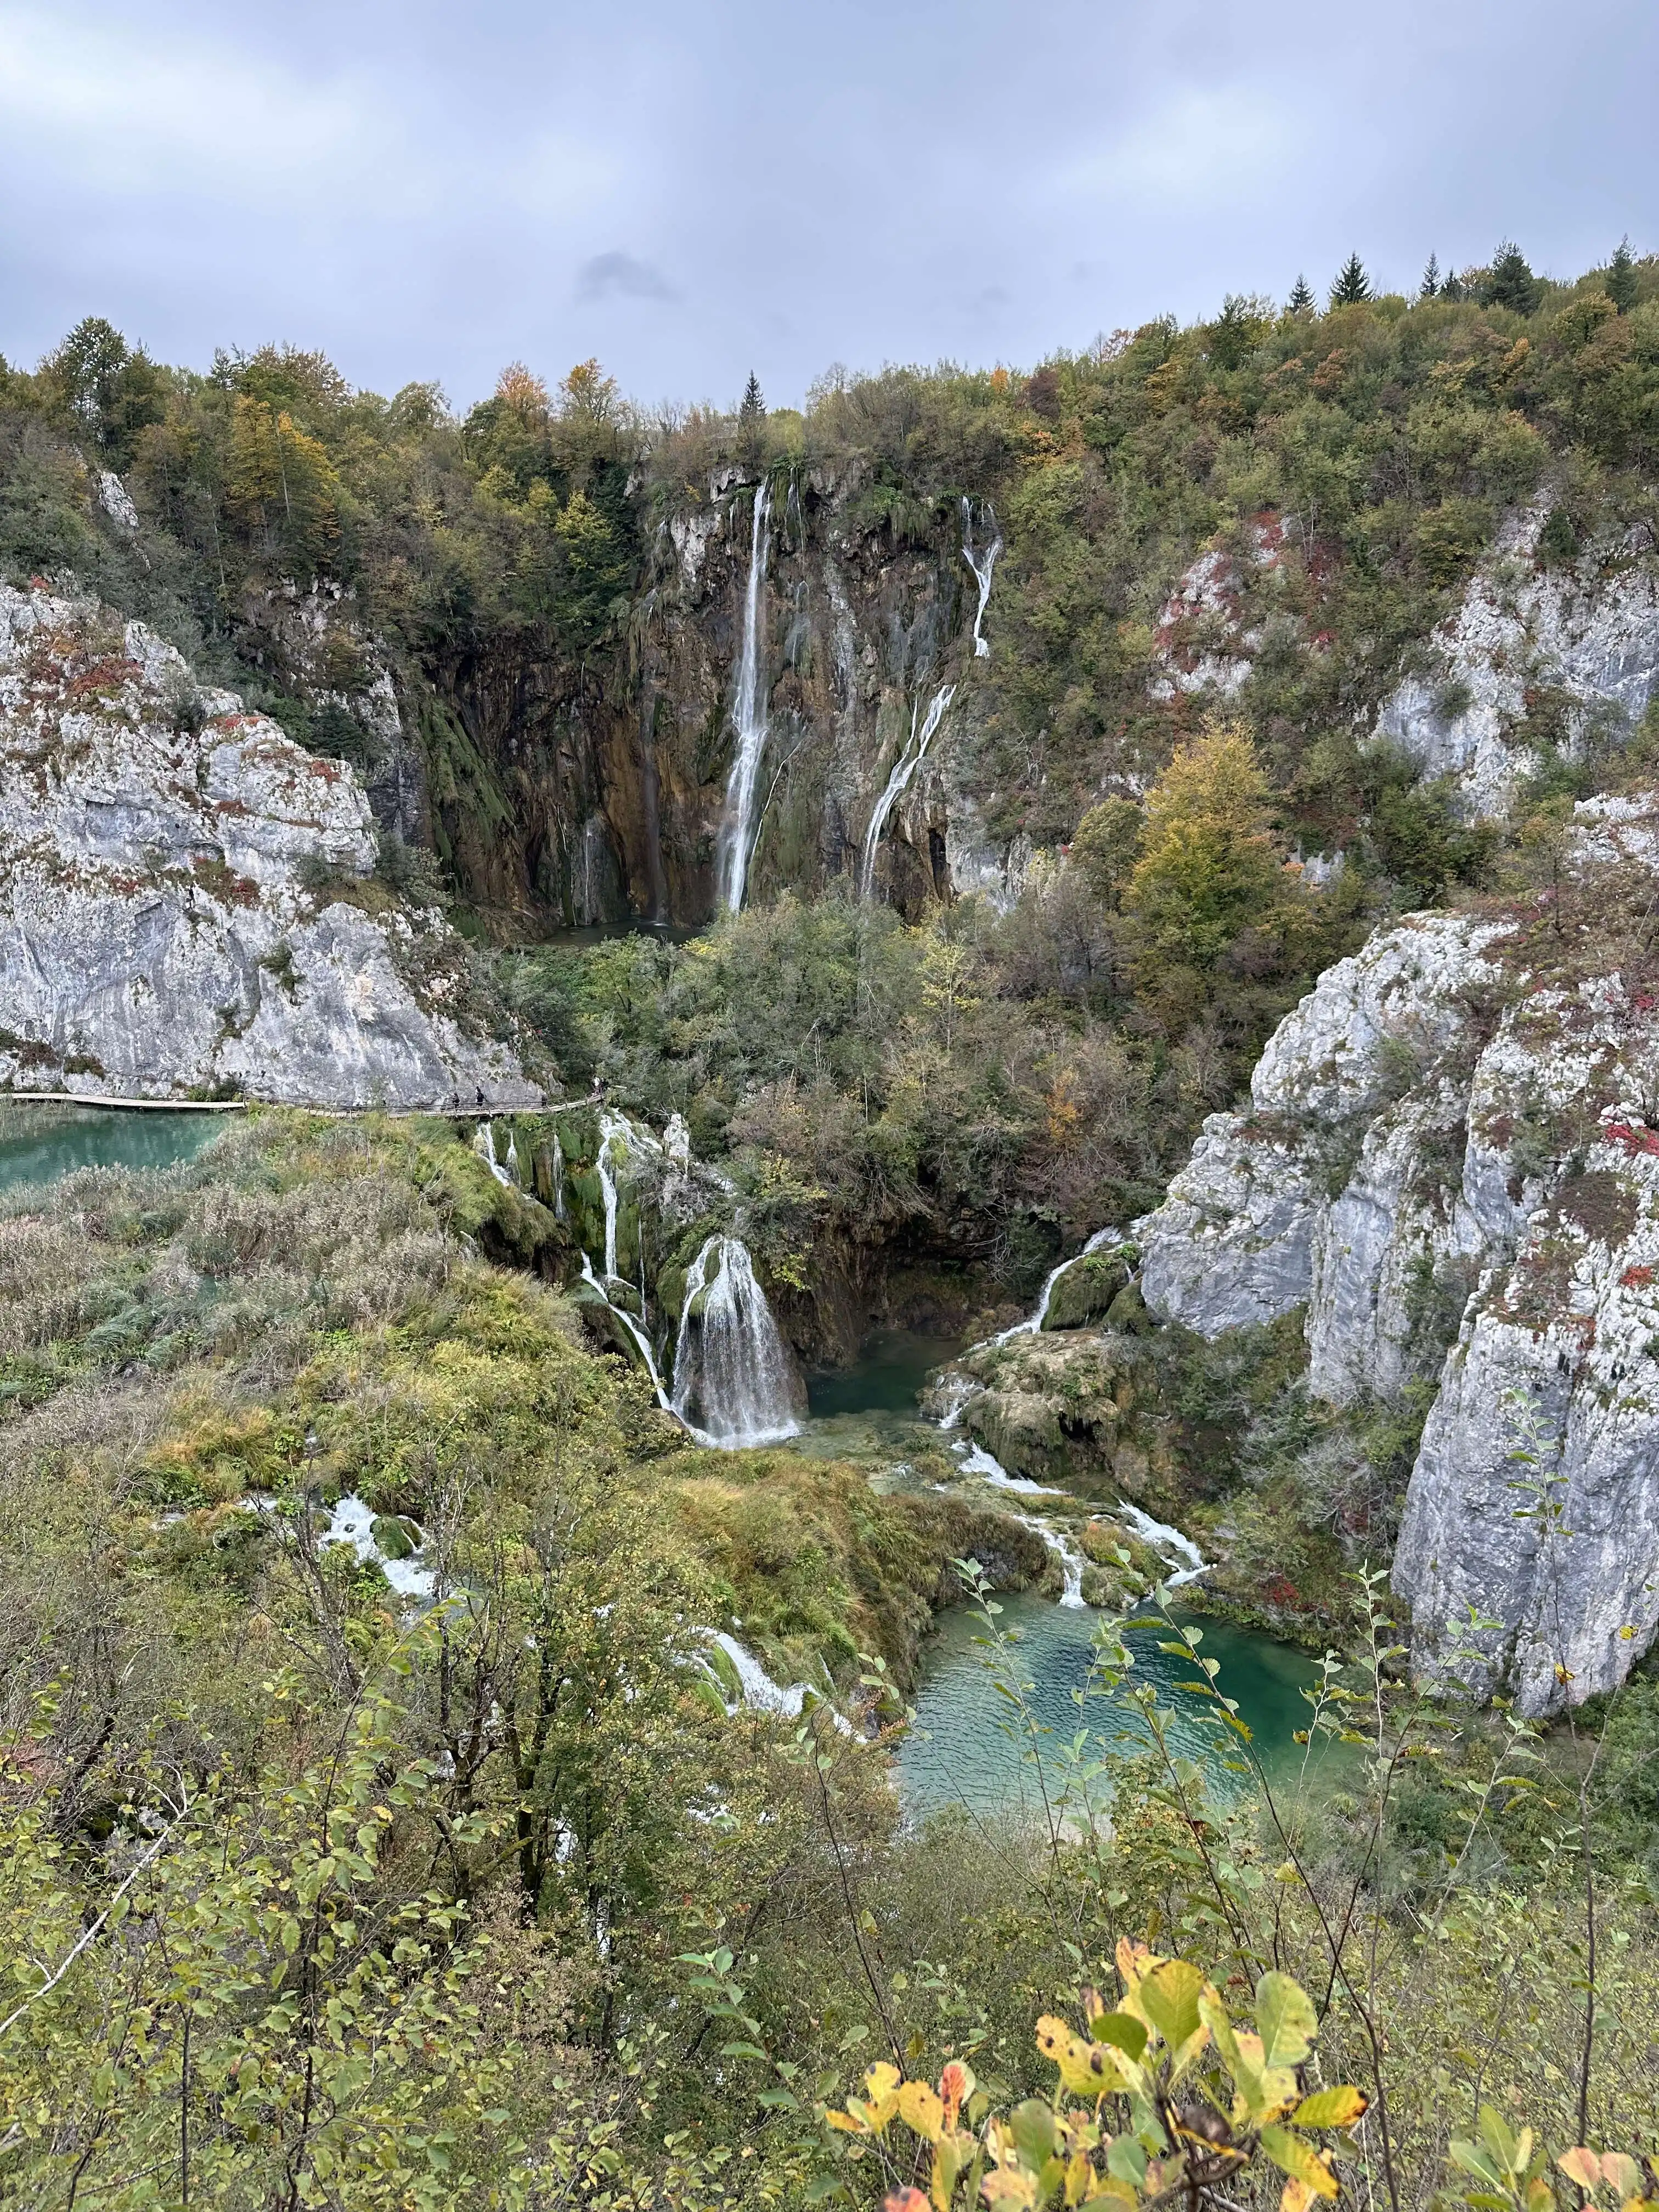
(693, 188)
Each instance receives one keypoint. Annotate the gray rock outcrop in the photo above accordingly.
(1454, 1140)
(1589, 633)
(186, 901)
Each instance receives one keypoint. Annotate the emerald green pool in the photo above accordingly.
(39, 1144)
(960, 1750)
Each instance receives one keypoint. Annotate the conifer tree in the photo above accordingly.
(1352, 285)
(1621, 278)
(1430, 287)
(753, 408)
(1301, 300)
(1512, 284)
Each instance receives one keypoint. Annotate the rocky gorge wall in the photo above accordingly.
(576, 795)
(1450, 1163)
(187, 899)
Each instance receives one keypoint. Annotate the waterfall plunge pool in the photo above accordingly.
(39, 1144)
(959, 1752)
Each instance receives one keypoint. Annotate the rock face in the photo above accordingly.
(1450, 1144)
(606, 798)
(1300, 1187)
(186, 900)
(1532, 653)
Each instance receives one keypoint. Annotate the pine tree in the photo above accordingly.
(1352, 285)
(1302, 299)
(1621, 278)
(753, 408)
(1430, 287)
(1512, 284)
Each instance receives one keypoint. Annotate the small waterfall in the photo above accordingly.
(750, 716)
(761, 1694)
(558, 1178)
(483, 1144)
(639, 1335)
(733, 1378)
(352, 1522)
(512, 1158)
(981, 564)
(909, 760)
(1033, 1322)
(1164, 1540)
(613, 1132)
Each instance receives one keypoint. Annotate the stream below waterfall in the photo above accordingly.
(39, 1144)
(959, 1752)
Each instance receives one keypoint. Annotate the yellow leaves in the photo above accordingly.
(1297, 2158)
(1088, 2070)
(868, 2115)
(1332, 2108)
(1005, 2185)
(920, 2108)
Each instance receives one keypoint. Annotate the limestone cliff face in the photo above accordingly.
(1566, 654)
(1453, 1137)
(604, 795)
(186, 896)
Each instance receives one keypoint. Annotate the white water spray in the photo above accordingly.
(909, 760)
(733, 1379)
(761, 1694)
(981, 564)
(558, 1178)
(483, 1144)
(352, 1521)
(750, 716)
(1033, 1322)
(1164, 1540)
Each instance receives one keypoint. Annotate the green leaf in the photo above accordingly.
(1169, 1998)
(1118, 2028)
(1285, 2016)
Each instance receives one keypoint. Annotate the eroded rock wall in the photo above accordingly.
(1454, 1142)
(186, 900)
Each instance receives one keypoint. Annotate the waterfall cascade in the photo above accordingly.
(981, 564)
(558, 1178)
(616, 1136)
(750, 715)
(909, 760)
(1033, 1322)
(734, 1382)
(483, 1144)
(639, 1335)
(352, 1521)
(1165, 1540)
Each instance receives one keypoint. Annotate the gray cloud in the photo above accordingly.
(620, 275)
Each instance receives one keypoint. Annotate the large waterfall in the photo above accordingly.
(981, 564)
(734, 1382)
(737, 828)
(909, 760)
